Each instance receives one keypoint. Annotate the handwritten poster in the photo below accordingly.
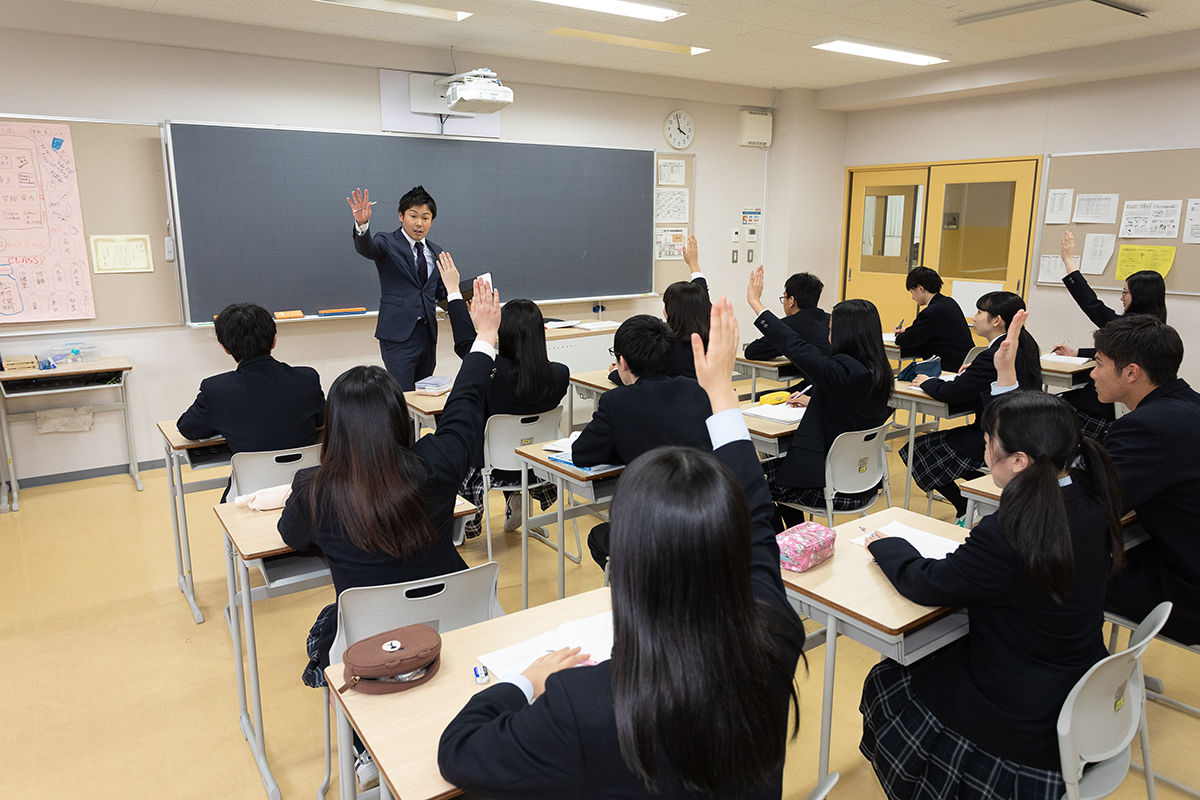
(1150, 219)
(43, 254)
(1135, 258)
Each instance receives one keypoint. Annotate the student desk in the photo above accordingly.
(769, 437)
(425, 409)
(982, 495)
(252, 535)
(1061, 375)
(84, 376)
(204, 454)
(915, 401)
(589, 385)
(853, 597)
(777, 369)
(596, 490)
(402, 730)
(891, 349)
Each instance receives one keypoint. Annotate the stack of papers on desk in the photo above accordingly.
(929, 545)
(600, 325)
(781, 412)
(562, 445)
(562, 323)
(1065, 359)
(890, 338)
(593, 634)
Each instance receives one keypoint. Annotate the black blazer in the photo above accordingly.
(262, 405)
(940, 329)
(1156, 449)
(811, 324)
(1085, 297)
(1003, 684)
(654, 411)
(972, 391)
(681, 359)
(401, 287)
(839, 403)
(565, 744)
(446, 455)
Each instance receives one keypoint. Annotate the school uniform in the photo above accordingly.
(1156, 449)
(262, 405)
(1095, 418)
(565, 744)
(940, 329)
(839, 404)
(977, 719)
(810, 324)
(942, 456)
(654, 411)
(446, 455)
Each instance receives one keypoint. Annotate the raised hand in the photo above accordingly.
(754, 290)
(450, 278)
(485, 311)
(691, 255)
(1006, 354)
(714, 367)
(1067, 244)
(547, 665)
(360, 205)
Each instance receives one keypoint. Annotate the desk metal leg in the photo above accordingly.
(831, 634)
(8, 452)
(235, 637)
(970, 517)
(912, 437)
(256, 739)
(345, 742)
(5, 469)
(129, 439)
(562, 540)
(753, 384)
(183, 553)
(524, 537)
(570, 423)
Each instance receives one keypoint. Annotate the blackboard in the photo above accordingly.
(262, 217)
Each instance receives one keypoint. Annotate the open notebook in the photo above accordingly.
(593, 634)
(780, 412)
(929, 545)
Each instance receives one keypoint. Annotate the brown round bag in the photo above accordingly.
(392, 661)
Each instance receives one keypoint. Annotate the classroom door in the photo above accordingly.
(979, 227)
(887, 212)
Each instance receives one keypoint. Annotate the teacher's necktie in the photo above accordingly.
(422, 276)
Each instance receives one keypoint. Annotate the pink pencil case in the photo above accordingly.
(803, 546)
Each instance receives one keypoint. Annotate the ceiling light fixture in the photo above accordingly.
(858, 47)
(655, 13)
(629, 41)
(402, 8)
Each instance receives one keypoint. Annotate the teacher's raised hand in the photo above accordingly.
(360, 205)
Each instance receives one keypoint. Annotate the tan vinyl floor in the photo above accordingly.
(110, 690)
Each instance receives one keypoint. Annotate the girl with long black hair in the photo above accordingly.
(694, 701)
(1144, 292)
(940, 457)
(850, 392)
(977, 719)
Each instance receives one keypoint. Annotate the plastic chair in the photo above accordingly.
(503, 434)
(458, 599)
(855, 463)
(1103, 713)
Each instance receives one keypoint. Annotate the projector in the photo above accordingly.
(478, 91)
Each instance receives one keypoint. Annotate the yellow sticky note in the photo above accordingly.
(1133, 258)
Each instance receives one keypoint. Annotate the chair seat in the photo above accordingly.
(1102, 778)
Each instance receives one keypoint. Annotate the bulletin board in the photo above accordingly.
(122, 191)
(670, 270)
(1133, 175)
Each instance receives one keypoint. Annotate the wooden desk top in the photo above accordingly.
(574, 333)
(115, 364)
(402, 730)
(595, 379)
(766, 428)
(176, 440)
(1064, 368)
(539, 455)
(774, 362)
(426, 403)
(852, 583)
(983, 486)
(906, 389)
(255, 534)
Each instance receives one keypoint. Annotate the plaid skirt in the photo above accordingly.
(472, 489)
(813, 497)
(917, 758)
(935, 463)
(1094, 426)
(320, 639)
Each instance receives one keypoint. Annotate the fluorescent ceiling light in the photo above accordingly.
(402, 8)
(654, 13)
(629, 41)
(857, 47)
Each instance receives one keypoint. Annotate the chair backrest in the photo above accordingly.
(974, 351)
(1101, 715)
(506, 432)
(857, 461)
(265, 468)
(443, 603)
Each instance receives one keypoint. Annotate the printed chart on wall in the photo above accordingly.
(43, 253)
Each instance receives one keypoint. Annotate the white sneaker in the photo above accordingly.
(366, 771)
(512, 512)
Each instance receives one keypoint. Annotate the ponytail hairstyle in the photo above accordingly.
(696, 658)
(1033, 515)
(687, 307)
(1147, 294)
(522, 340)
(1006, 305)
(369, 480)
(855, 330)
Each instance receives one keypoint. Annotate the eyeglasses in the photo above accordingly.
(613, 353)
(1124, 293)
(782, 299)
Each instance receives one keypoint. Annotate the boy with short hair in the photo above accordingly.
(940, 329)
(801, 294)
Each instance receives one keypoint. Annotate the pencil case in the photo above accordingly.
(774, 398)
(803, 546)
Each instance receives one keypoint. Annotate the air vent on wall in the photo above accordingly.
(755, 130)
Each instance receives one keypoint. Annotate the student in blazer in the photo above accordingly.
(590, 723)
(979, 716)
(1156, 448)
(262, 405)
(406, 260)
(940, 329)
(649, 409)
(801, 294)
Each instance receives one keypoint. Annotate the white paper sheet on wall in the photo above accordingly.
(671, 205)
(1150, 219)
(1052, 269)
(1098, 209)
(1097, 250)
(669, 243)
(671, 171)
(1191, 226)
(1058, 206)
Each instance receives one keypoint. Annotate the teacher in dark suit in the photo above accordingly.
(408, 280)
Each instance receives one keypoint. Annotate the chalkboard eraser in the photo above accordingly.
(289, 314)
(340, 312)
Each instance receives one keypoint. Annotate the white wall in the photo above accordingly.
(141, 81)
(1145, 112)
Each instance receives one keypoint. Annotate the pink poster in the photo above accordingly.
(44, 272)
